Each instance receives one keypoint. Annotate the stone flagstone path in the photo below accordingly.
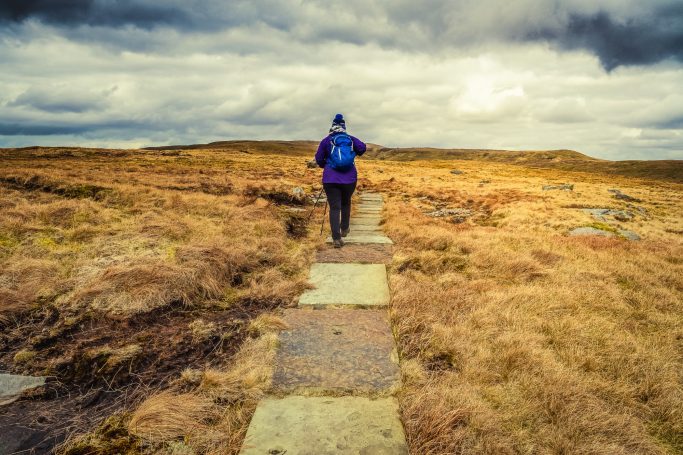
(336, 369)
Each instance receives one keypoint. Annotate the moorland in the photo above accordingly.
(147, 285)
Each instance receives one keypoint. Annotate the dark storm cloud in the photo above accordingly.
(62, 100)
(18, 129)
(91, 12)
(618, 34)
(636, 41)
(54, 129)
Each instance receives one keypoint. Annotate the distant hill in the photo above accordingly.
(286, 147)
(568, 160)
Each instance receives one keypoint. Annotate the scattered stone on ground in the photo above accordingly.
(485, 181)
(561, 187)
(619, 215)
(312, 164)
(326, 426)
(360, 254)
(457, 172)
(458, 215)
(12, 386)
(352, 352)
(622, 197)
(362, 285)
(299, 194)
(590, 231)
(629, 235)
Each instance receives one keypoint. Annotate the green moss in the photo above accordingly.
(45, 242)
(24, 356)
(603, 227)
(7, 241)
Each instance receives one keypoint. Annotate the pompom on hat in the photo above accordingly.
(338, 124)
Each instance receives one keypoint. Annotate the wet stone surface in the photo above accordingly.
(325, 426)
(341, 351)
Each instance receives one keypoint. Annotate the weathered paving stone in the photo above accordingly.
(365, 228)
(11, 386)
(362, 285)
(366, 219)
(368, 210)
(365, 237)
(360, 254)
(324, 426)
(342, 351)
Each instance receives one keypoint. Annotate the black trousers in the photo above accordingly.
(339, 198)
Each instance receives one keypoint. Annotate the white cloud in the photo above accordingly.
(92, 85)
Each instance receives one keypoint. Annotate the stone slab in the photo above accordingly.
(11, 386)
(371, 203)
(374, 222)
(366, 219)
(362, 285)
(365, 237)
(369, 210)
(338, 352)
(359, 254)
(325, 426)
(365, 228)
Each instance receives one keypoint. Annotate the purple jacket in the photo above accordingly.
(333, 176)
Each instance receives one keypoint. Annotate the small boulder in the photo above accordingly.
(457, 215)
(629, 235)
(456, 172)
(623, 197)
(312, 164)
(299, 194)
(590, 231)
(561, 187)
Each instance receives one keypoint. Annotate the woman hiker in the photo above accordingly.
(335, 155)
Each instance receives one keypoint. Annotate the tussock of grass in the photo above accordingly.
(267, 322)
(168, 416)
(213, 418)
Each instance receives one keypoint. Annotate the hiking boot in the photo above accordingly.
(338, 243)
(345, 232)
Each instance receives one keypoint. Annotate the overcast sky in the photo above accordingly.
(604, 77)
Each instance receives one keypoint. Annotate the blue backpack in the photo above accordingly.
(342, 154)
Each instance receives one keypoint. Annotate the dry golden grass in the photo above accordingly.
(515, 338)
(117, 267)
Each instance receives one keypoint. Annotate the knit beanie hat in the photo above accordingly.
(338, 124)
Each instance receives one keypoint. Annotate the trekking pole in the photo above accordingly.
(315, 204)
(322, 225)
